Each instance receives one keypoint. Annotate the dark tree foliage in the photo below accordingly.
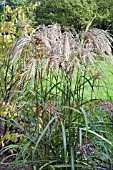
(105, 15)
(69, 13)
(76, 13)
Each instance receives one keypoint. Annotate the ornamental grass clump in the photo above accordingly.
(57, 75)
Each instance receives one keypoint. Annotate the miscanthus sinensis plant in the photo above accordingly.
(59, 76)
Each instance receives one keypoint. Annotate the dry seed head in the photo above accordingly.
(62, 49)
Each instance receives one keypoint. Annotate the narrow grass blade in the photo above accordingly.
(72, 158)
(7, 148)
(6, 158)
(53, 87)
(109, 142)
(96, 134)
(64, 142)
(46, 165)
(80, 138)
(71, 108)
(42, 134)
(86, 120)
(51, 166)
(17, 125)
(69, 166)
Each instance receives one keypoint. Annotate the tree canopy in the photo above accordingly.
(76, 13)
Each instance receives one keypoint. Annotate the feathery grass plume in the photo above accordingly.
(18, 46)
(62, 49)
(99, 42)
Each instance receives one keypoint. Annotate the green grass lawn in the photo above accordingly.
(103, 85)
